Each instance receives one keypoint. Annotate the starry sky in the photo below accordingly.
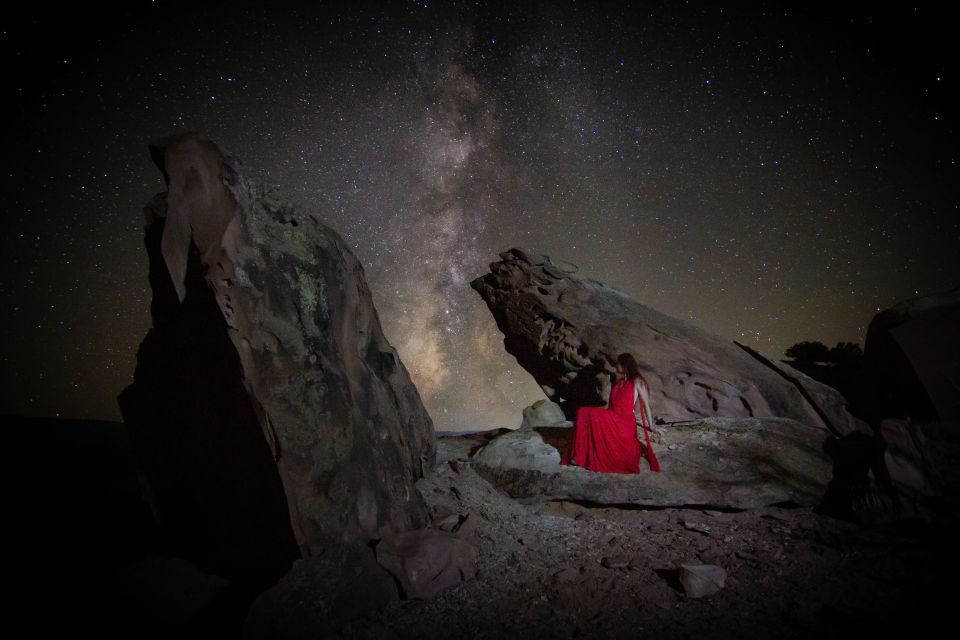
(771, 172)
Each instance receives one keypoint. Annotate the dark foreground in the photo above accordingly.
(83, 555)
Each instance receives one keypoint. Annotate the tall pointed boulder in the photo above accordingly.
(270, 417)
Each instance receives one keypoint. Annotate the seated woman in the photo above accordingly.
(605, 438)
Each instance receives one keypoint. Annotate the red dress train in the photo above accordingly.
(605, 439)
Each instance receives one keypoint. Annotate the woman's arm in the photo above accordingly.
(642, 393)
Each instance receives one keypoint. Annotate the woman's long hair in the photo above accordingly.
(631, 368)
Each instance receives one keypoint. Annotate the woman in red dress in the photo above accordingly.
(605, 438)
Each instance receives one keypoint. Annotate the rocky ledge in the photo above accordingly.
(720, 463)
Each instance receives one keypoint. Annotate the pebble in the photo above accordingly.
(700, 580)
(697, 526)
(616, 562)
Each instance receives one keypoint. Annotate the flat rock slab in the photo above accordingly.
(729, 463)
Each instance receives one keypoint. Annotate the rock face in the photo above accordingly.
(923, 462)
(270, 417)
(731, 463)
(567, 331)
(911, 361)
(906, 457)
(908, 392)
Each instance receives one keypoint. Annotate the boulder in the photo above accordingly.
(922, 461)
(269, 416)
(544, 413)
(860, 489)
(427, 560)
(908, 391)
(520, 449)
(911, 361)
(906, 457)
(567, 331)
(729, 463)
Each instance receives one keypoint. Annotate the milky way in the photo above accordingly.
(771, 175)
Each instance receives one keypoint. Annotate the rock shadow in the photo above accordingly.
(557, 437)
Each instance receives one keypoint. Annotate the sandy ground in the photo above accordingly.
(565, 570)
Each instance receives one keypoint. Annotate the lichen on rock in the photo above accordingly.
(271, 417)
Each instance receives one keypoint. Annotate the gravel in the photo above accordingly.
(567, 570)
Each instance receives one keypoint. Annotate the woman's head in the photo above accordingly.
(629, 366)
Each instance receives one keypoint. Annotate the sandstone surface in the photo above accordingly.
(567, 331)
(269, 416)
(726, 463)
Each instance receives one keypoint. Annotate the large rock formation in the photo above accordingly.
(910, 393)
(270, 417)
(911, 361)
(727, 463)
(567, 331)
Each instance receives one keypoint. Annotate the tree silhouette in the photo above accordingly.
(837, 367)
(846, 354)
(808, 352)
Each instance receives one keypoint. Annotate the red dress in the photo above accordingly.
(605, 439)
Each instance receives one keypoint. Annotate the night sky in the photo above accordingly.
(772, 175)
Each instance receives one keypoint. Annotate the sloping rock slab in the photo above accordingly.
(728, 463)
(567, 331)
